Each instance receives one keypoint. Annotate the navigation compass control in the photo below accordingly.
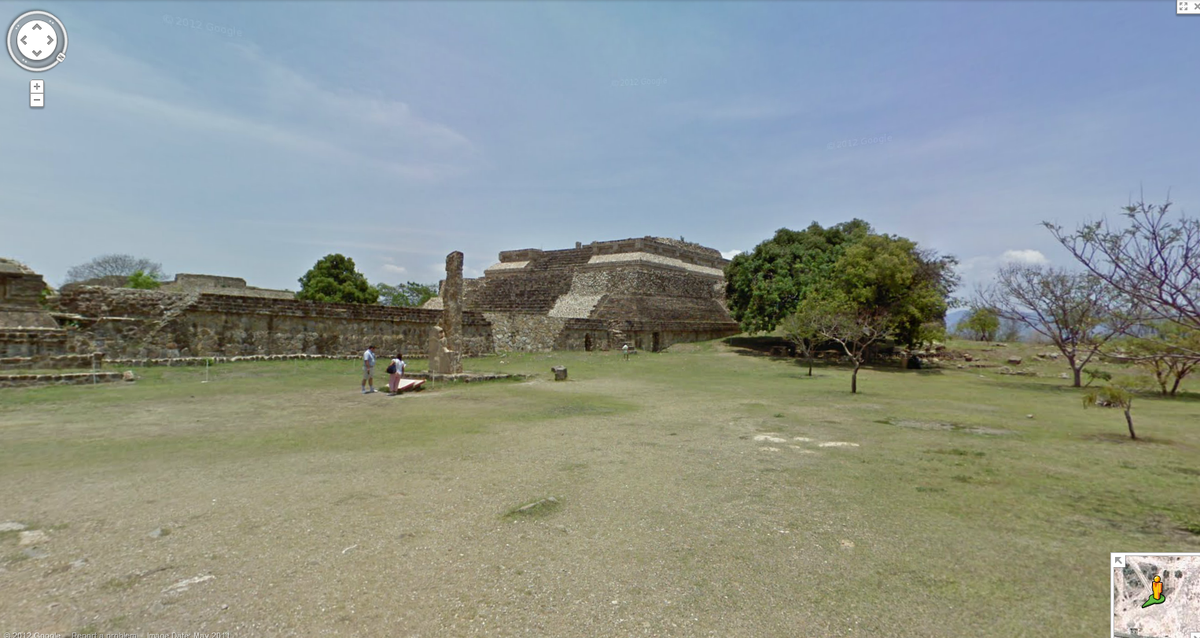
(37, 41)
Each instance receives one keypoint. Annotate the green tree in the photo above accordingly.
(407, 295)
(767, 284)
(1118, 394)
(981, 324)
(854, 327)
(887, 276)
(142, 281)
(802, 328)
(772, 281)
(334, 280)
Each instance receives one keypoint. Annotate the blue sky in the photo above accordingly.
(396, 132)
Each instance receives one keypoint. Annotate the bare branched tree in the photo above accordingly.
(1077, 312)
(1168, 351)
(114, 268)
(1155, 260)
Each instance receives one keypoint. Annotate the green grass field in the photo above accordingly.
(696, 493)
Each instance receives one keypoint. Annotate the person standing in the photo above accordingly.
(368, 370)
(625, 352)
(397, 371)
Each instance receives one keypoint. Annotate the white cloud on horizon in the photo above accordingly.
(980, 271)
(730, 254)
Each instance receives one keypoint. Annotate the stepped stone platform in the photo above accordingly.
(648, 292)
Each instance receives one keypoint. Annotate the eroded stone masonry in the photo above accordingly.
(647, 292)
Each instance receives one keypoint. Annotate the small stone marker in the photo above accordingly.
(128, 375)
(1016, 361)
(560, 373)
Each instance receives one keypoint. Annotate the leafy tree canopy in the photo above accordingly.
(980, 324)
(767, 284)
(869, 272)
(407, 295)
(334, 280)
(888, 275)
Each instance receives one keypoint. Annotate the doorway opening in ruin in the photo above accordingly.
(587, 342)
(654, 342)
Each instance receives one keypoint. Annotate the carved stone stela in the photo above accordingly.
(445, 341)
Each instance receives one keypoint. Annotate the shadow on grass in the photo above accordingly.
(1065, 388)
(893, 368)
(1123, 438)
(1056, 388)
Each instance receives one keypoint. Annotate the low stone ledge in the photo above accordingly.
(465, 377)
(199, 361)
(53, 362)
(70, 378)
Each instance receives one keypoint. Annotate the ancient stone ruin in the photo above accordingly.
(648, 292)
(236, 286)
(27, 329)
(445, 341)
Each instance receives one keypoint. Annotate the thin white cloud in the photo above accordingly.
(394, 269)
(287, 92)
(288, 111)
(730, 254)
(1027, 256)
(746, 109)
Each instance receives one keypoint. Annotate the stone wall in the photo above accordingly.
(32, 342)
(650, 292)
(95, 359)
(189, 283)
(21, 297)
(524, 331)
(128, 323)
(69, 378)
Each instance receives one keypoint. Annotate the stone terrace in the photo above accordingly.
(599, 295)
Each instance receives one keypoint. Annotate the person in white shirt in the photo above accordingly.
(397, 371)
(625, 351)
(368, 370)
